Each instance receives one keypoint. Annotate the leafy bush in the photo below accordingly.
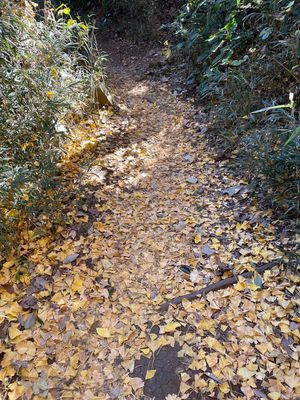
(46, 69)
(243, 55)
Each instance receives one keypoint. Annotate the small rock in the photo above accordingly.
(60, 128)
(116, 392)
(164, 79)
(180, 226)
(154, 294)
(187, 157)
(196, 253)
(293, 326)
(194, 276)
(207, 251)
(232, 191)
(71, 258)
(192, 179)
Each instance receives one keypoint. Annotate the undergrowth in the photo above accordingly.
(47, 65)
(140, 20)
(243, 56)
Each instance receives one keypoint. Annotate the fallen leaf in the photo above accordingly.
(240, 286)
(274, 395)
(103, 332)
(14, 332)
(171, 327)
(150, 374)
(215, 344)
(224, 387)
(245, 373)
(207, 251)
(197, 239)
(77, 284)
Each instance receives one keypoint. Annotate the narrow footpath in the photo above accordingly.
(158, 218)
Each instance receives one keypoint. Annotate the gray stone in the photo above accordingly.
(232, 191)
(192, 179)
(71, 258)
(187, 157)
(207, 251)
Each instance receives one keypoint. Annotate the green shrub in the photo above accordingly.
(243, 55)
(46, 69)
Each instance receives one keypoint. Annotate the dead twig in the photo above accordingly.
(223, 284)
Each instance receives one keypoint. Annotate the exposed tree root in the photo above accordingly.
(223, 284)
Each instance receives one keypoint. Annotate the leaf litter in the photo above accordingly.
(79, 317)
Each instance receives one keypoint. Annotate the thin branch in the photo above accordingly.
(223, 284)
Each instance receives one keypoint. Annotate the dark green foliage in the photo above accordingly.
(139, 18)
(244, 55)
(46, 68)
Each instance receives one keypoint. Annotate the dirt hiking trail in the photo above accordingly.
(158, 217)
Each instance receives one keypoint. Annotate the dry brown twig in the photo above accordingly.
(223, 284)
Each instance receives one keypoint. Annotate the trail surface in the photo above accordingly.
(158, 218)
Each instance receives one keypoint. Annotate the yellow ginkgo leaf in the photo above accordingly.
(14, 332)
(12, 213)
(184, 388)
(77, 284)
(54, 72)
(224, 387)
(150, 374)
(245, 373)
(215, 344)
(103, 332)
(197, 239)
(9, 264)
(274, 395)
(240, 286)
(263, 348)
(50, 95)
(171, 327)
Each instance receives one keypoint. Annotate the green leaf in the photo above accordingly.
(258, 281)
(66, 11)
(294, 135)
(265, 33)
(71, 22)
(186, 269)
(237, 63)
(82, 25)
